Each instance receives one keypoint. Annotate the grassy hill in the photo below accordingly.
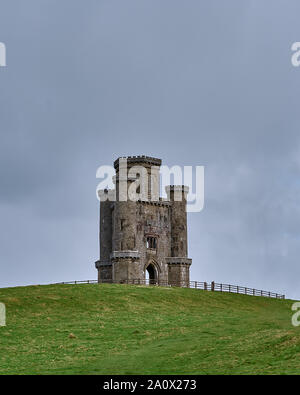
(125, 329)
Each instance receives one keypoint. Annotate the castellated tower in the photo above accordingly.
(145, 237)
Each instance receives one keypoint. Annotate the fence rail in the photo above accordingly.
(214, 287)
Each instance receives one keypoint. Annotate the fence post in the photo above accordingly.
(212, 286)
(205, 286)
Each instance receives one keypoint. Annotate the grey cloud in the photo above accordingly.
(195, 83)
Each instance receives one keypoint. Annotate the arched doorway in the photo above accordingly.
(151, 274)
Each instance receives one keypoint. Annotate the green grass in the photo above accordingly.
(125, 329)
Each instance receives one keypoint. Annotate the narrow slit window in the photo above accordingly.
(122, 224)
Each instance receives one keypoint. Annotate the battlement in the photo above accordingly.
(138, 160)
(177, 188)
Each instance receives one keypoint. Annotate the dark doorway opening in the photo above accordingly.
(151, 275)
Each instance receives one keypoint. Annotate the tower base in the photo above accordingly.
(179, 271)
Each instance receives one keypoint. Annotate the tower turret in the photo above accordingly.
(179, 263)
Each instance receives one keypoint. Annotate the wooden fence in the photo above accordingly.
(215, 287)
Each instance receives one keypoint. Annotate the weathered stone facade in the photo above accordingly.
(146, 235)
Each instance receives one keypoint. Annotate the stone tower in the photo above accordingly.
(146, 235)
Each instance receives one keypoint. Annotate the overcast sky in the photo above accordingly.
(197, 82)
